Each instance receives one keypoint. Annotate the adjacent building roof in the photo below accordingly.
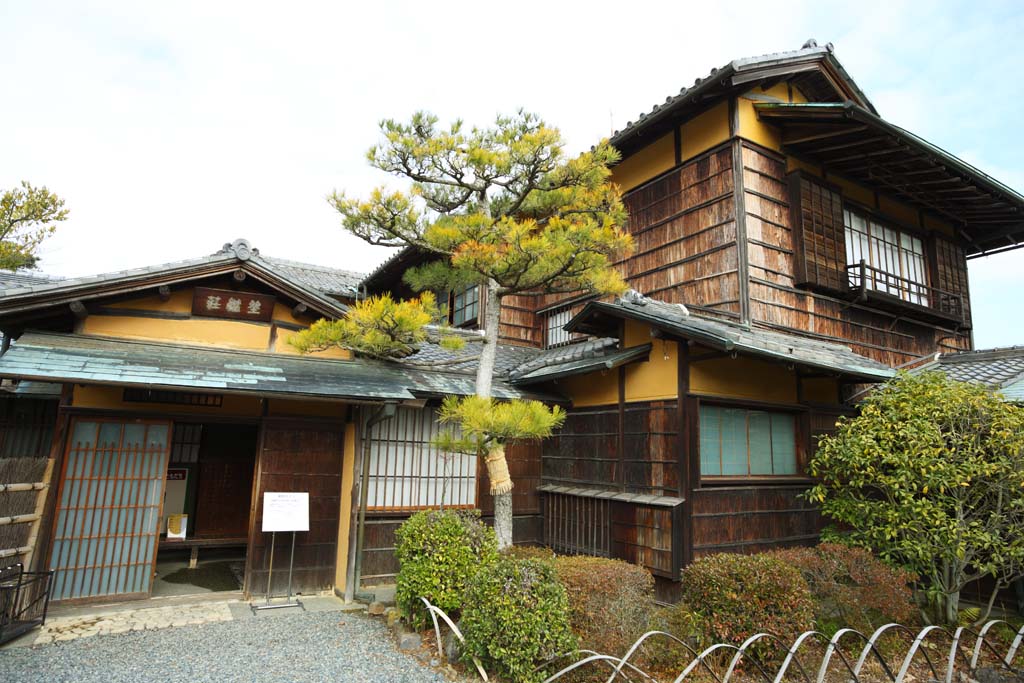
(12, 280)
(852, 141)
(317, 286)
(51, 357)
(998, 369)
(676, 320)
(813, 69)
(575, 359)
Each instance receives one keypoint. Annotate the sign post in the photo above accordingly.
(283, 511)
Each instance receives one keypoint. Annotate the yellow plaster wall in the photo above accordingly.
(743, 378)
(751, 127)
(704, 131)
(638, 168)
(204, 331)
(104, 397)
(281, 345)
(658, 377)
(180, 301)
(345, 517)
(594, 389)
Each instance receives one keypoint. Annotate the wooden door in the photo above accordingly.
(298, 456)
(227, 458)
(108, 510)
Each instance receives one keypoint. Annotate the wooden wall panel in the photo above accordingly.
(297, 456)
(748, 519)
(776, 302)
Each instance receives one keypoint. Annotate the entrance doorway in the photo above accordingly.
(209, 483)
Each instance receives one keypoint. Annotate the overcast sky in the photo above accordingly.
(171, 128)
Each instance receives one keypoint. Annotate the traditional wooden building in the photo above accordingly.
(173, 390)
(791, 245)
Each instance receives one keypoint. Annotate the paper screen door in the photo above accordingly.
(107, 523)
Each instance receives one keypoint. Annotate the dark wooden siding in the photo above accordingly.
(298, 457)
(777, 302)
(816, 223)
(634, 532)
(950, 271)
(749, 519)
(26, 427)
(519, 323)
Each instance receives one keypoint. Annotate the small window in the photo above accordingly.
(736, 442)
(554, 321)
(466, 305)
(894, 260)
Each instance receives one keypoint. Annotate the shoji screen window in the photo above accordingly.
(738, 442)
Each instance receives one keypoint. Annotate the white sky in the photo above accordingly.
(173, 128)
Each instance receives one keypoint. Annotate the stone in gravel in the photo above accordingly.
(409, 640)
(376, 608)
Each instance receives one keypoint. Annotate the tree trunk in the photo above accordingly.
(484, 375)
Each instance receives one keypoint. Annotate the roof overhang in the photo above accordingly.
(850, 141)
(582, 366)
(83, 359)
(814, 70)
(18, 302)
(598, 317)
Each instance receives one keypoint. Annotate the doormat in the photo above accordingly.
(214, 576)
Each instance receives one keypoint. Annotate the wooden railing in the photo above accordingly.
(865, 280)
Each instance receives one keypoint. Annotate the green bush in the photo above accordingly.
(737, 596)
(609, 601)
(515, 616)
(852, 588)
(438, 552)
(667, 655)
(529, 552)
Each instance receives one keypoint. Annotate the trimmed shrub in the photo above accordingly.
(668, 655)
(609, 601)
(737, 596)
(852, 588)
(515, 616)
(529, 552)
(439, 551)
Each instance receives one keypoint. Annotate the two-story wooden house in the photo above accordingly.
(791, 246)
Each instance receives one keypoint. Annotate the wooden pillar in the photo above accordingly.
(689, 458)
(41, 552)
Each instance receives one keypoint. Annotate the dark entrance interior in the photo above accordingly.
(209, 480)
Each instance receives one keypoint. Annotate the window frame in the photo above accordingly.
(801, 445)
(455, 309)
(907, 290)
(548, 317)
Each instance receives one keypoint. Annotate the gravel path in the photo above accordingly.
(320, 646)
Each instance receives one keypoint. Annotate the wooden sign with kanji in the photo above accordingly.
(226, 303)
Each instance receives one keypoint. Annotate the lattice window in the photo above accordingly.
(181, 398)
(894, 258)
(407, 472)
(466, 305)
(737, 442)
(185, 442)
(554, 321)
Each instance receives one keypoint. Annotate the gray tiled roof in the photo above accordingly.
(1001, 369)
(319, 283)
(331, 281)
(51, 357)
(508, 357)
(12, 280)
(605, 359)
(737, 66)
(727, 336)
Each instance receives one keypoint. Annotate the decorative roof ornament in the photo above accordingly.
(631, 296)
(811, 42)
(241, 249)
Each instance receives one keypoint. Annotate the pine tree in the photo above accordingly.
(503, 207)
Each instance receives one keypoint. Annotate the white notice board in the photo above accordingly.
(285, 511)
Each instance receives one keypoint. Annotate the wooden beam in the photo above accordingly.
(164, 292)
(79, 309)
(299, 309)
(800, 139)
(238, 275)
